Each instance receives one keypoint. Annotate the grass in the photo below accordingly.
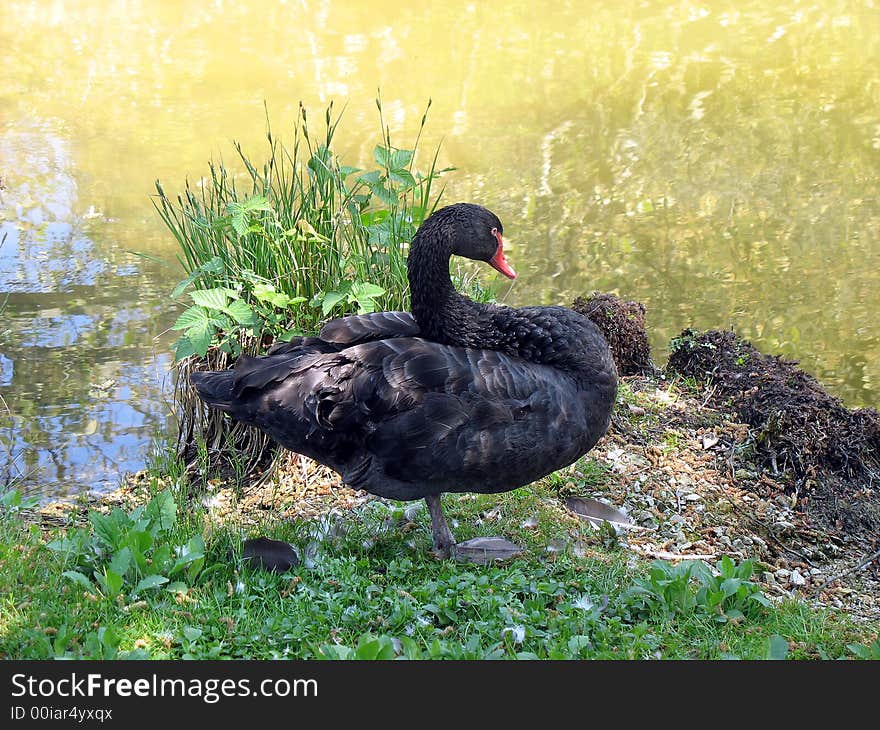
(369, 589)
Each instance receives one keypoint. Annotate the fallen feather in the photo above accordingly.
(596, 512)
(485, 550)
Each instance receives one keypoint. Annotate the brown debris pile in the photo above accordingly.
(796, 424)
(622, 323)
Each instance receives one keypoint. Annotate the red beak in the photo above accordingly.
(499, 263)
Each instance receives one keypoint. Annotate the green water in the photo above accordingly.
(717, 161)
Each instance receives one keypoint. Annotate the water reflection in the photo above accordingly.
(79, 375)
(719, 163)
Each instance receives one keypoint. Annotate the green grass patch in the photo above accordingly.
(369, 589)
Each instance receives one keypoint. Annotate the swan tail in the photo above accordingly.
(215, 388)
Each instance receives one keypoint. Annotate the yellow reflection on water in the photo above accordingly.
(717, 161)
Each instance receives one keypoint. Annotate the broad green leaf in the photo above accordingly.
(161, 558)
(330, 300)
(730, 586)
(400, 159)
(382, 155)
(777, 647)
(139, 541)
(336, 652)
(373, 217)
(268, 293)
(191, 632)
(109, 527)
(184, 347)
(239, 223)
(371, 178)
(577, 643)
(121, 561)
(213, 265)
(110, 581)
(78, 577)
(242, 313)
(216, 298)
(151, 581)
(402, 176)
(257, 202)
(199, 338)
(237, 217)
(193, 316)
(389, 197)
(162, 510)
(178, 290)
(364, 289)
(372, 648)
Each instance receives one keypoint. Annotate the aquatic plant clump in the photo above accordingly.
(275, 247)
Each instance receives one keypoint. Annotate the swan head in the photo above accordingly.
(476, 233)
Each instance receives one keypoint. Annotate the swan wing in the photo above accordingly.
(360, 328)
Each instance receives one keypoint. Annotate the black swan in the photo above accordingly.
(455, 397)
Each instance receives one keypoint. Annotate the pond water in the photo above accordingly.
(717, 161)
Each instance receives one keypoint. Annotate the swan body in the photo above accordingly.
(455, 397)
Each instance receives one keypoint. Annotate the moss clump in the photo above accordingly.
(798, 426)
(623, 325)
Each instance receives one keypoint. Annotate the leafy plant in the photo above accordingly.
(777, 648)
(361, 294)
(102, 644)
(217, 315)
(730, 595)
(368, 648)
(866, 651)
(307, 228)
(666, 591)
(13, 501)
(689, 586)
(132, 552)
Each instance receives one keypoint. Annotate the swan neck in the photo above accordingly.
(431, 289)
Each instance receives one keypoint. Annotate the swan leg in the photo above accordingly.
(443, 539)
